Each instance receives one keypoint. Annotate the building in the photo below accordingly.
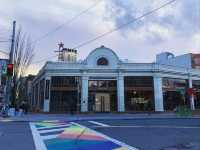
(3, 68)
(104, 83)
(25, 91)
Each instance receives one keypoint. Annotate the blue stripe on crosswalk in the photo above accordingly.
(51, 133)
(53, 128)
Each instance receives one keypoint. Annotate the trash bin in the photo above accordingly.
(20, 113)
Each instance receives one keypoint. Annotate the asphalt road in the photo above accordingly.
(144, 134)
(152, 134)
(16, 136)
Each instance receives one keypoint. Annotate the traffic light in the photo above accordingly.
(9, 69)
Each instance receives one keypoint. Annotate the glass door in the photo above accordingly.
(102, 102)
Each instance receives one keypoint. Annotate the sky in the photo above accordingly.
(175, 28)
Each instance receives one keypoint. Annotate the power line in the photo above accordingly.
(62, 25)
(125, 24)
(67, 22)
(115, 29)
(39, 61)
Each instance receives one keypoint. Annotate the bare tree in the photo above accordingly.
(22, 58)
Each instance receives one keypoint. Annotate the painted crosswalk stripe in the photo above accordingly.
(67, 138)
(98, 123)
(51, 130)
(39, 144)
(124, 145)
(51, 133)
(43, 128)
(47, 137)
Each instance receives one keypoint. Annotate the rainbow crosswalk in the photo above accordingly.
(59, 135)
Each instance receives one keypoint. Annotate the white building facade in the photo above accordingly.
(104, 83)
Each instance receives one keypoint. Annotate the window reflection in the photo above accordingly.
(139, 93)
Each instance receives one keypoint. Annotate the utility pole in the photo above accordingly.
(11, 61)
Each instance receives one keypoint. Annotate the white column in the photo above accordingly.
(84, 94)
(158, 94)
(120, 94)
(192, 106)
(46, 106)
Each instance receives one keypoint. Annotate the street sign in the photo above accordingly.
(3, 66)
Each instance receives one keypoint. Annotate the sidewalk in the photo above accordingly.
(101, 116)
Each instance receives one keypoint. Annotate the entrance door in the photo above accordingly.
(102, 102)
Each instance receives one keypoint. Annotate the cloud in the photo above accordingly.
(179, 17)
(174, 28)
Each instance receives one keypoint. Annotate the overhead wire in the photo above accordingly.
(115, 29)
(67, 22)
(62, 25)
(124, 25)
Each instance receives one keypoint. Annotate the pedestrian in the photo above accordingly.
(26, 108)
(21, 108)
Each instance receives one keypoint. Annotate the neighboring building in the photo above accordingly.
(186, 60)
(3, 67)
(26, 89)
(104, 83)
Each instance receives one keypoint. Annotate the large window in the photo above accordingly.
(196, 85)
(138, 81)
(174, 93)
(65, 94)
(64, 81)
(47, 89)
(102, 95)
(139, 93)
(41, 94)
(63, 101)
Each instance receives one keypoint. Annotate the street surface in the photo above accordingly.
(152, 134)
(16, 136)
(143, 134)
(59, 135)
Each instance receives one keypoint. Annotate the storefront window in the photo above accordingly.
(47, 89)
(65, 94)
(174, 93)
(93, 84)
(196, 86)
(41, 94)
(139, 93)
(102, 84)
(58, 81)
(102, 96)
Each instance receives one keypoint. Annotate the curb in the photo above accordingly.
(93, 118)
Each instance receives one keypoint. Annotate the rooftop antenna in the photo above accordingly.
(60, 50)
